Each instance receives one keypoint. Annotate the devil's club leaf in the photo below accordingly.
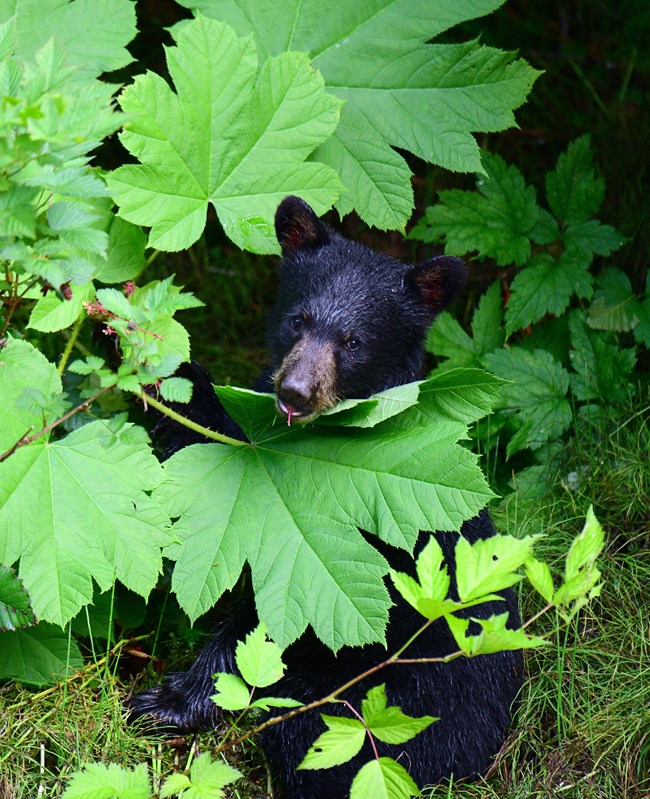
(398, 90)
(228, 136)
(39, 655)
(78, 508)
(92, 33)
(290, 504)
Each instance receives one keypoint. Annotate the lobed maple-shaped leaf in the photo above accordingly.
(75, 509)
(291, 500)
(399, 91)
(228, 135)
(206, 779)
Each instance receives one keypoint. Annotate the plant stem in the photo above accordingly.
(204, 431)
(74, 333)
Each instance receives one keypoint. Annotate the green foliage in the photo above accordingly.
(206, 779)
(310, 565)
(38, 655)
(562, 362)
(15, 608)
(397, 90)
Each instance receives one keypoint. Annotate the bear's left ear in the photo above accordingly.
(438, 280)
(297, 226)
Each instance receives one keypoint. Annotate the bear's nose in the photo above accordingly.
(294, 390)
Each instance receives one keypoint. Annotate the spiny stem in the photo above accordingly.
(204, 431)
(74, 333)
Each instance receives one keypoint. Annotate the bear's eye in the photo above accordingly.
(352, 343)
(296, 322)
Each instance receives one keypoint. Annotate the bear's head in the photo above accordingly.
(348, 321)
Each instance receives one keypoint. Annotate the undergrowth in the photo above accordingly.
(582, 727)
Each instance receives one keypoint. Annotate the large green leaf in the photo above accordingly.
(399, 91)
(230, 136)
(291, 502)
(77, 508)
(92, 33)
(38, 655)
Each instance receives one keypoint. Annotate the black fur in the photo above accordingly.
(342, 290)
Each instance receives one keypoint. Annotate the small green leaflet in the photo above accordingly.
(15, 607)
(206, 780)
(259, 660)
(341, 742)
(399, 91)
(602, 367)
(39, 655)
(448, 339)
(489, 565)
(383, 779)
(536, 397)
(67, 523)
(495, 222)
(98, 781)
(581, 574)
(307, 491)
(390, 724)
(494, 636)
(231, 135)
(572, 189)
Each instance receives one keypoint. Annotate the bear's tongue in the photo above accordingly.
(289, 410)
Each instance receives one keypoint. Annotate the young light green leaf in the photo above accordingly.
(495, 222)
(383, 779)
(495, 637)
(539, 576)
(390, 724)
(572, 189)
(54, 313)
(176, 389)
(87, 366)
(586, 547)
(226, 132)
(258, 659)
(125, 257)
(410, 476)
(461, 395)
(232, 692)
(341, 742)
(536, 395)
(15, 607)
(489, 565)
(267, 702)
(207, 779)
(369, 412)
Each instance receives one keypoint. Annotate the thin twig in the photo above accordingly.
(22, 442)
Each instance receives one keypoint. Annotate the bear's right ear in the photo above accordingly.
(297, 226)
(438, 281)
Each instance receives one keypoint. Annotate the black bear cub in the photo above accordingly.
(349, 322)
